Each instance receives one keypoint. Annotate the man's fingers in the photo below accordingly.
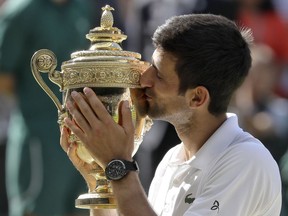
(77, 115)
(81, 111)
(125, 117)
(69, 148)
(97, 105)
(72, 154)
(74, 128)
(64, 138)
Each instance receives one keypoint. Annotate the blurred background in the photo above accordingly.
(36, 177)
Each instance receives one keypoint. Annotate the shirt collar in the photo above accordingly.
(214, 146)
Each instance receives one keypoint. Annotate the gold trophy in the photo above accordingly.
(114, 75)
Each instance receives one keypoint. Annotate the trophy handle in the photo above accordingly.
(45, 61)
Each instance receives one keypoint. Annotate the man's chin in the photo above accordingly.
(141, 108)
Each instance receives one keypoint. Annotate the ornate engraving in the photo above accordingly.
(44, 62)
(114, 53)
(101, 76)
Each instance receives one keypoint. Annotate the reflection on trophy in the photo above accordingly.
(114, 75)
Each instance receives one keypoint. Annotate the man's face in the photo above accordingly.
(160, 98)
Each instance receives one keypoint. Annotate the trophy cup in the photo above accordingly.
(114, 75)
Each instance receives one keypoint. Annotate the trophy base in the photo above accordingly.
(96, 201)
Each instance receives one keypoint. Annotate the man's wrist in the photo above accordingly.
(118, 169)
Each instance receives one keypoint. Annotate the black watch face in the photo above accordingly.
(115, 170)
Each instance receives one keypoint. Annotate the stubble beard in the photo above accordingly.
(156, 112)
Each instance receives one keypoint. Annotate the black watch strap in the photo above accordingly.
(131, 165)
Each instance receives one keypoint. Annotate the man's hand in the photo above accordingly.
(104, 138)
(84, 168)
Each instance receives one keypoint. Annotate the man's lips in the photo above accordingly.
(142, 95)
(147, 97)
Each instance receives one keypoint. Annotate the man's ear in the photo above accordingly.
(197, 97)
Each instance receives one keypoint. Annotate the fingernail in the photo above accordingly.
(68, 105)
(65, 120)
(86, 90)
(73, 93)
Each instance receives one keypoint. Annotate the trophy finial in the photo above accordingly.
(107, 19)
(106, 37)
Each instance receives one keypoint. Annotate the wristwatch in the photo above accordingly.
(117, 169)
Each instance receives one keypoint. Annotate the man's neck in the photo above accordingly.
(198, 132)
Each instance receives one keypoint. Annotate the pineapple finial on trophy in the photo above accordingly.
(107, 19)
(106, 37)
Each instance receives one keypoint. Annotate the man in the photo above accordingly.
(218, 169)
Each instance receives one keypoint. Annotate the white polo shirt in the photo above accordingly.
(233, 174)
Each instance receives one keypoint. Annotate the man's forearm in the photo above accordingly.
(131, 199)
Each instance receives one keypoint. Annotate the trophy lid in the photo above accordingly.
(105, 63)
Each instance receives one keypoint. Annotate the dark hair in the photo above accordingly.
(211, 51)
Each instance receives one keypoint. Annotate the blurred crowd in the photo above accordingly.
(36, 178)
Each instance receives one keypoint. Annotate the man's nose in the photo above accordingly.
(146, 79)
